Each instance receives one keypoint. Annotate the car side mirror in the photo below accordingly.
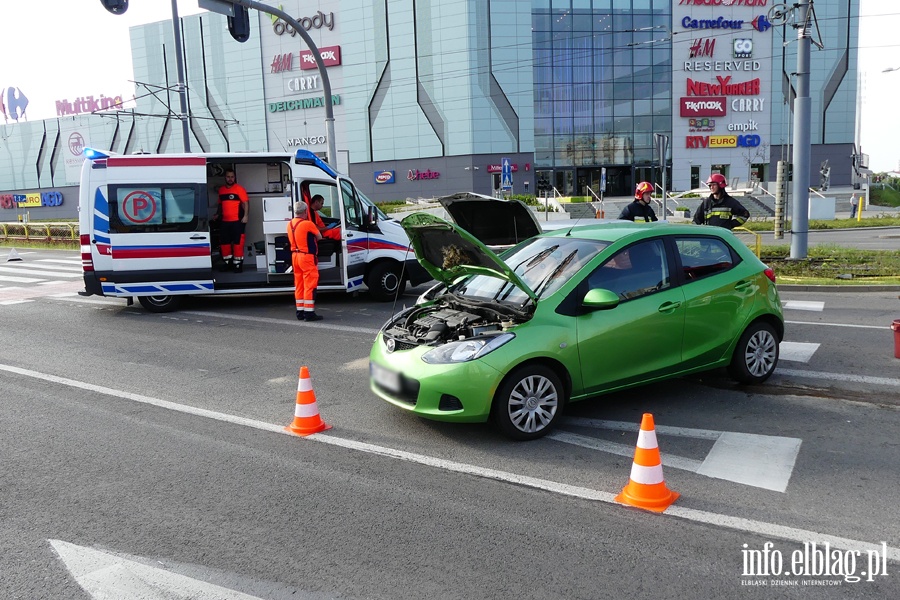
(600, 299)
(372, 217)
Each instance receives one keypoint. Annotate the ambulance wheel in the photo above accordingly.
(160, 304)
(385, 282)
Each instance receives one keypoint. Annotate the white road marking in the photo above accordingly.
(72, 261)
(43, 272)
(104, 575)
(762, 528)
(762, 461)
(8, 302)
(280, 322)
(838, 325)
(12, 279)
(803, 305)
(68, 268)
(668, 460)
(839, 377)
(797, 351)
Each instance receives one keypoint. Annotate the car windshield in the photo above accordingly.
(543, 264)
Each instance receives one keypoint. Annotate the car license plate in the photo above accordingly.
(389, 380)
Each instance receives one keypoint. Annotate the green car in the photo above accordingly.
(571, 314)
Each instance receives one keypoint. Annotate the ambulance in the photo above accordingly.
(148, 228)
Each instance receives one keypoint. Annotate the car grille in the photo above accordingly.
(400, 345)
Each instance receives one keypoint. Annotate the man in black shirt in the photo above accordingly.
(640, 210)
(719, 208)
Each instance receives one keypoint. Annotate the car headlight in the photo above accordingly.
(466, 350)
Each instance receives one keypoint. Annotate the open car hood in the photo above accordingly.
(449, 252)
(495, 223)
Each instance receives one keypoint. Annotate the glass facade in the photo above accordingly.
(602, 88)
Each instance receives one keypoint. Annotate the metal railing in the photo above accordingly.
(757, 247)
(39, 232)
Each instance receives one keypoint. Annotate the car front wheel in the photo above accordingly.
(756, 354)
(528, 403)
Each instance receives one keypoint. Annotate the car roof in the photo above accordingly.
(617, 230)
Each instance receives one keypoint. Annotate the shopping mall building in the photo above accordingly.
(430, 96)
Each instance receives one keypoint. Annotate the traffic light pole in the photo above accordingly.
(802, 122)
(323, 73)
(182, 90)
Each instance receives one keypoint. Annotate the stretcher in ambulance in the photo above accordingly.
(149, 230)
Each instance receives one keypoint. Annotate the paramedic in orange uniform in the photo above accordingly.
(234, 210)
(315, 205)
(303, 236)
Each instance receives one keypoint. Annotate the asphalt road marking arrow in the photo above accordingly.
(104, 575)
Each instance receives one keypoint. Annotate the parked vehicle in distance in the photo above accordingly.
(148, 229)
(571, 314)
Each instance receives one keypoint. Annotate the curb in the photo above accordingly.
(837, 288)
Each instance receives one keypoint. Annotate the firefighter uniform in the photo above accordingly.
(232, 207)
(303, 235)
(638, 212)
(723, 212)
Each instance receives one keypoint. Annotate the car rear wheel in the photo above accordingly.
(160, 304)
(756, 354)
(528, 402)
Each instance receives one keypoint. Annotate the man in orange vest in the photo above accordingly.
(304, 236)
(315, 205)
(234, 210)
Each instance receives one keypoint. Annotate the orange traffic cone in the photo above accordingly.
(646, 488)
(306, 413)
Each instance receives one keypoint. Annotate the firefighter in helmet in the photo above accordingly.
(640, 210)
(719, 208)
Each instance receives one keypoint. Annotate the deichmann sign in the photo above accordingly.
(708, 107)
(317, 21)
(31, 200)
(302, 104)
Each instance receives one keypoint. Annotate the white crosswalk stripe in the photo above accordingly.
(25, 280)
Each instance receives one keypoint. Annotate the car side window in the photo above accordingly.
(635, 271)
(702, 256)
(155, 208)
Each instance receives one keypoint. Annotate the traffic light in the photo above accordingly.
(116, 7)
(239, 24)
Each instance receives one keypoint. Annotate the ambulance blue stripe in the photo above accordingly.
(101, 213)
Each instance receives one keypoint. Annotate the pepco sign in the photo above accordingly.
(382, 177)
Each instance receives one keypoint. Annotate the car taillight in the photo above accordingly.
(770, 274)
(87, 263)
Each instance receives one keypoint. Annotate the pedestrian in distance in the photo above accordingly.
(853, 213)
(234, 212)
(720, 209)
(640, 210)
(304, 237)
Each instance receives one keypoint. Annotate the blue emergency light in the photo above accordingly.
(91, 154)
(306, 157)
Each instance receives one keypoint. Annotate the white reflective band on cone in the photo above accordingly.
(306, 410)
(646, 475)
(304, 385)
(647, 440)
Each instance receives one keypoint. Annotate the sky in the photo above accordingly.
(75, 48)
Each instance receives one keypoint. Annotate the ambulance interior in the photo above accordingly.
(271, 193)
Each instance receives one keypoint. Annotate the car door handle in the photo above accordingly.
(668, 306)
(197, 236)
(742, 285)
